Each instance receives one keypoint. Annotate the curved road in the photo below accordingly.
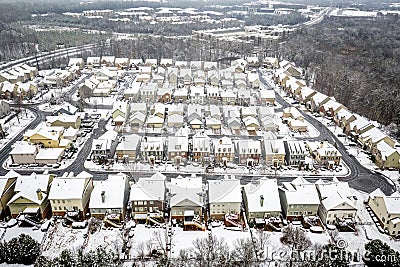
(360, 177)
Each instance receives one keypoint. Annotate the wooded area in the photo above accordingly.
(354, 59)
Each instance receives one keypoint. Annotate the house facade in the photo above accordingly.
(71, 194)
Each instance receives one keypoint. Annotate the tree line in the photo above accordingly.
(356, 60)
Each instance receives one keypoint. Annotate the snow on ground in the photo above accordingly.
(367, 228)
(15, 125)
(104, 113)
(197, 168)
(108, 238)
(16, 231)
(59, 238)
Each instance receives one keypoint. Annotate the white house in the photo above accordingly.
(337, 202)
(109, 198)
(224, 197)
(152, 149)
(299, 199)
(261, 199)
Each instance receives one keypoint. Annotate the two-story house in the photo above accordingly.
(261, 199)
(249, 152)
(109, 198)
(31, 195)
(299, 198)
(224, 150)
(387, 210)
(224, 197)
(69, 195)
(148, 196)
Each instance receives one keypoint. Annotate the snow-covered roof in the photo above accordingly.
(267, 94)
(114, 188)
(328, 189)
(196, 121)
(152, 188)
(49, 153)
(138, 116)
(175, 118)
(306, 91)
(188, 189)
(266, 189)
(27, 186)
(249, 146)
(294, 112)
(224, 190)
(300, 193)
(344, 113)
(23, 148)
(212, 121)
(65, 118)
(274, 146)
(121, 106)
(332, 104)
(70, 187)
(129, 142)
(334, 201)
(392, 202)
(373, 134)
(227, 94)
(138, 107)
(155, 120)
(385, 149)
(360, 122)
(178, 144)
(250, 120)
(318, 98)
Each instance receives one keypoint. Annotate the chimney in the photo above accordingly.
(261, 200)
(39, 194)
(103, 196)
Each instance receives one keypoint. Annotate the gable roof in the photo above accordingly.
(225, 190)
(152, 188)
(69, 187)
(114, 189)
(266, 188)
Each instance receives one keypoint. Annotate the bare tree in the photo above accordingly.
(211, 251)
(244, 253)
(295, 238)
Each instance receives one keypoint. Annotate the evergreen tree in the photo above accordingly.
(380, 254)
(67, 259)
(42, 261)
(22, 249)
(2, 252)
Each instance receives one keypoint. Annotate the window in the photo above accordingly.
(151, 202)
(63, 201)
(55, 208)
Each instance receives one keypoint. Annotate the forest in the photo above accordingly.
(356, 60)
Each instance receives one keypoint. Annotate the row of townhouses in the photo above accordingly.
(367, 134)
(189, 201)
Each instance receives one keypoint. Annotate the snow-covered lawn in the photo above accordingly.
(15, 125)
(60, 238)
(108, 238)
(15, 231)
